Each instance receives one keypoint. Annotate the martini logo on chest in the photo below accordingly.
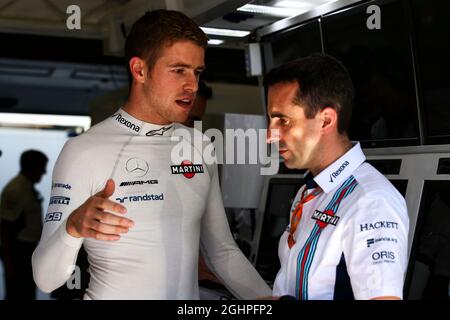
(187, 169)
(325, 218)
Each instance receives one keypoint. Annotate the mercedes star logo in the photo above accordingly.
(137, 167)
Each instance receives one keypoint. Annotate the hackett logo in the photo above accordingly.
(379, 225)
(338, 171)
(126, 123)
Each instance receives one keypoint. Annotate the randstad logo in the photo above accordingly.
(126, 123)
(145, 197)
(338, 171)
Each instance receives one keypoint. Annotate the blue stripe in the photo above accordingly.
(309, 263)
(349, 190)
(316, 235)
(338, 191)
(300, 258)
(336, 194)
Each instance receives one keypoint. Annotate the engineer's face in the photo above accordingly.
(298, 136)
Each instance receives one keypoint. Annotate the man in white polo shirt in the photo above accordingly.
(348, 231)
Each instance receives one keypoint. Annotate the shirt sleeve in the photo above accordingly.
(54, 258)
(376, 247)
(221, 252)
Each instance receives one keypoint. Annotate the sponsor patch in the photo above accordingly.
(383, 239)
(187, 169)
(325, 218)
(61, 185)
(53, 216)
(383, 256)
(134, 183)
(379, 225)
(137, 167)
(145, 197)
(59, 200)
(126, 123)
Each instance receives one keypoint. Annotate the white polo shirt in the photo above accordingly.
(352, 239)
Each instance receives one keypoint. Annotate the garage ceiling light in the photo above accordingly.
(225, 32)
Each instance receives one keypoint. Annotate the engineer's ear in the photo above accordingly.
(329, 119)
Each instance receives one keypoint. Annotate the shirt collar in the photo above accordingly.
(337, 172)
(140, 127)
(309, 181)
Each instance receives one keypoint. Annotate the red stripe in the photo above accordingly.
(302, 270)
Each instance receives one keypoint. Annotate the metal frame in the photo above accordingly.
(315, 13)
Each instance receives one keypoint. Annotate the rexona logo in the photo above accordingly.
(338, 171)
(379, 225)
(187, 169)
(126, 123)
(145, 197)
(133, 183)
(383, 256)
(325, 218)
(59, 200)
(53, 216)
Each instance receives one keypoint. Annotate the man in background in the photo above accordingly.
(21, 225)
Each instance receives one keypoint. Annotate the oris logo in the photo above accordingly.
(383, 256)
(338, 171)
(137, 167)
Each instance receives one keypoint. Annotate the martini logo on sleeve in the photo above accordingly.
(187, 169)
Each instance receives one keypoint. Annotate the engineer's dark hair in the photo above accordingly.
(157, 29)
(31, 160)
(323, 82)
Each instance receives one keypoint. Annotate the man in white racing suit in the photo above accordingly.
(141, 212)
